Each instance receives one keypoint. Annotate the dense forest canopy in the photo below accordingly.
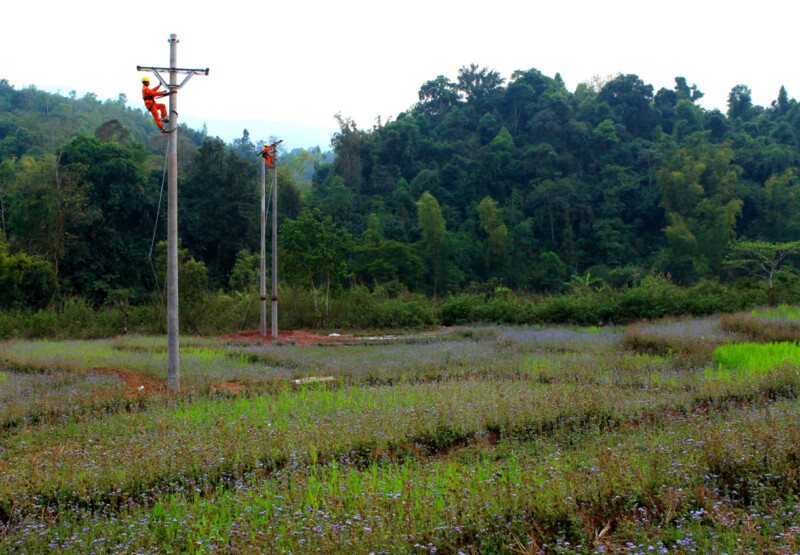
(535, 183)
(520, 182)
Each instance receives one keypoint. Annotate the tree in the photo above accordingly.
(6, 177)
(761, 259)
(347, 145)
(698, 194)
(437, 95)
(219, 208)
(476, 83)
(246, 270)
(381, 260)
(684, 91)
(782, 104)
(192, 284)
(740, 103)
(112, 130)
(496, 232)
(108, 216)
(433, 243)
(314, 251)
(631, 99)
(51, 209)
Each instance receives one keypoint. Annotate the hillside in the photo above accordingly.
(521, 183)
(534, 183)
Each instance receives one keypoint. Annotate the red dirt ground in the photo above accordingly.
(135, 379)
(296, 337)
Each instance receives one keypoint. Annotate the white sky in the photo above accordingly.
(303, 61)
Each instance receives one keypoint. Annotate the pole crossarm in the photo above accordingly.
(188, 72)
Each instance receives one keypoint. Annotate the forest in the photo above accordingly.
(482, 184)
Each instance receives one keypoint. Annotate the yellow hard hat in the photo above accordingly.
(145, 79)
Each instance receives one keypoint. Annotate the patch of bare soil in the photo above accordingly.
(135, 379)
(229, 387)
(297, 337)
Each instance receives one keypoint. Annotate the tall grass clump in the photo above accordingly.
(688, 341)
(760, 329)
(781, 312)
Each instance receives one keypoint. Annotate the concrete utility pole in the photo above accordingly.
(275, 244)
(269, 158)
(173, 358)
(263, 168)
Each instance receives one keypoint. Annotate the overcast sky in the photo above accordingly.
(301, 62)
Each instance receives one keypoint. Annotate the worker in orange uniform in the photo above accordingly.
(149, 95)
(267, 154)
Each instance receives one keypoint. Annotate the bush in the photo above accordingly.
(25, 280)
(393, 307)
(382, 309)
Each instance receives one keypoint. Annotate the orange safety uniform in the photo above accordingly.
(149, 95)
(270, 158)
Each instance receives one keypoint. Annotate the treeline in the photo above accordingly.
(482, 185)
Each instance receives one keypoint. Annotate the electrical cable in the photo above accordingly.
(152, 266)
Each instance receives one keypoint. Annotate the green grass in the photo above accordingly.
(757, 356)
(496, 440)
(648, 485)
(781, 312)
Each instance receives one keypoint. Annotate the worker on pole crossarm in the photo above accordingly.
(149, 96)
(268, 154)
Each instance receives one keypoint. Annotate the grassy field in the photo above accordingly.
(678, 436)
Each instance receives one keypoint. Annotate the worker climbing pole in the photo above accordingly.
(158, 110)
(171, 88)
(269, 160)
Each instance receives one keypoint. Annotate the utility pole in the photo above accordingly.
(173, 358)
(269, 158)
(275, 244)
(263, 168)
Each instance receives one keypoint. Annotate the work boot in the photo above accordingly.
(164, 120)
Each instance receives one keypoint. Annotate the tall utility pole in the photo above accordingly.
(275, 244)
(263, 168)
(269, 158)
(173, 358)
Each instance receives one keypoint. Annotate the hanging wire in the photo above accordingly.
(152, 265)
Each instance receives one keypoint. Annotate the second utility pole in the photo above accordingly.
(275, 244)
(269, 159)
(263, 290)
